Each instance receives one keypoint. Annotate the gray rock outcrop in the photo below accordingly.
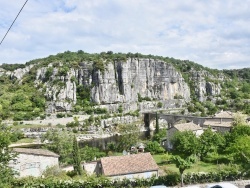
(204, 87)
(121, 83)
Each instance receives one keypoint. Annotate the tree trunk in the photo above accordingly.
(182, 180)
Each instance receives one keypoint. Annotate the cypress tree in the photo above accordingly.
(157, 128)
(76, 157)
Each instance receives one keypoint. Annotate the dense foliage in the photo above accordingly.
(6, 155)
(64, 143)
(231, 147)
(172, 179)
(20, 101)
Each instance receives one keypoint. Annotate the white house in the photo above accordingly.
(32, 162)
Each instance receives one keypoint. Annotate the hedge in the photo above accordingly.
(99, 182)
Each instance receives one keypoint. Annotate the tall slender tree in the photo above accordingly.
(76, 157)
(157, 128)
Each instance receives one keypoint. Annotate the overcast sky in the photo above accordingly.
(214, 33)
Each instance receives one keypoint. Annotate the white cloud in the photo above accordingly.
(213, 33)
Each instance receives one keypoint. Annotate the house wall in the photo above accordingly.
(137, 175)
(92, 167)
(32, 165)
(221, 129)
(170, 134)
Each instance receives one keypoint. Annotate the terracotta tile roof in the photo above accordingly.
(187, 127)
(35, 152)
(135, 163)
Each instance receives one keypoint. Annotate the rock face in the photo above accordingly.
(204, 87)
(122, 83)
(19, 73)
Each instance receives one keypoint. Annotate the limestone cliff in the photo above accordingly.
(204, 85)
(121, 83)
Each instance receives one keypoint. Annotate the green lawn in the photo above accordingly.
(197, 167)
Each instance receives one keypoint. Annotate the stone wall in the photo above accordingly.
(33, 165)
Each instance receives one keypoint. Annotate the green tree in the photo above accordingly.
(158, 137)
(90, 153)
(154, 147)
(1, 112)
(239, 119)
(76, 157)
(209, 142)
(157, 128)
(183, 164)
(129, 136)
(185, 143)
(60, 142)
(235, 133)
(240, 150)
(6, 155)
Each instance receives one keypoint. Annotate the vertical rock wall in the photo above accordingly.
(123, 81)
(119, 84)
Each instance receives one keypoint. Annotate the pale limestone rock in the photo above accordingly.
(119, 84)
(19, 73)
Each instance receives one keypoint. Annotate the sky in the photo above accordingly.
(213, 33)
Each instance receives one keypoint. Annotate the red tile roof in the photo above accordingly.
(128, 164)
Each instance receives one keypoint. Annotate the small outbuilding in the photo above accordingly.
(33, 162)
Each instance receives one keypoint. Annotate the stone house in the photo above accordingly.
(141, 165)
(93, 167)
(196, 129)
(221, 122)
(33, 162)
(220, 126)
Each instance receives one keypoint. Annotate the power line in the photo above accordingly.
(14, 21)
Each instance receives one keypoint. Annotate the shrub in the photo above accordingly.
(154, 147)
(120, 109)
(100, 110)
(159, 105)
(60, 115)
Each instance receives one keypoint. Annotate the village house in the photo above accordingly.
(141, 165)
(196, 129)
(221, 122)
(33, 162)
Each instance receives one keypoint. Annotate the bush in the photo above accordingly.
(171, 179)
(159, 105)
(195, 178)
(154, 147)
(100, 110)
(120, 109)
(60, 115)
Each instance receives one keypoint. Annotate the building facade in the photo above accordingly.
(33, 162)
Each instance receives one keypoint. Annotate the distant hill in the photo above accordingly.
(79, 82)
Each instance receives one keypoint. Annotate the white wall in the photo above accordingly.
(32, 165)
(144, 175)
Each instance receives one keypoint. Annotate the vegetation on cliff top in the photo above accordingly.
(23, 100)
